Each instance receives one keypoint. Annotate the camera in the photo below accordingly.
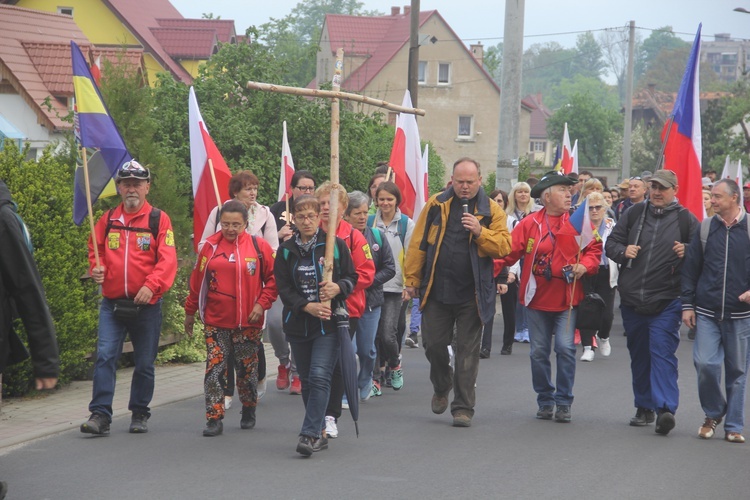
(568, 273)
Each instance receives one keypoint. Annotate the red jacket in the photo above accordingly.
(130, 257)
(363, 264)
(255, 281)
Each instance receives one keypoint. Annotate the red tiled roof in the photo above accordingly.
(191, 43)
(224, 28)
(131, 58)
(539, 115)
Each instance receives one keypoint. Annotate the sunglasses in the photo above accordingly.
(129, 171)
(593, 208)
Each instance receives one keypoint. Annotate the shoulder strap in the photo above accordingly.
(153, 222)
(285, 253)
(634, 213)
(371, 220)
(402, 225)
(705, 227)
(257, 249)
(376, 235)
(683, 218)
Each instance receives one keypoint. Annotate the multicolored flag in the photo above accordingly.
(96, 130)
(287, 169)
(406, 158)
(682, 134)
(580, 227)
(211, 175)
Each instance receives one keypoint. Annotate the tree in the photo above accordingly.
(493, 62)
(545, 65)
(603, 94)
(614, 44)
(659, 40)
(668, 68)
(645, 148)
(588, 61)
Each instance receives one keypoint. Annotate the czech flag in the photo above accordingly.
(580, 227)
(682, 133)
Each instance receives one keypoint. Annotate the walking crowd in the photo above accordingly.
(261, 269)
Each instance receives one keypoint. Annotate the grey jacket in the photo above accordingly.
(385, 267)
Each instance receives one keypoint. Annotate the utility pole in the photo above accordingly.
(626, 136)
(510, 96)
(414, 52)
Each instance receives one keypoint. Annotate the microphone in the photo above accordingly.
(465, 204)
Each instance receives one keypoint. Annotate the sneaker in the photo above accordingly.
(507, 350)
(320, 444)
(605, 347)
(588, 354)
(375, 391)
(138, 422)
(562, 414)
(397, 378)
(305, 446)
(282, 379)
(439, 404)
(344, 403)
(462, 419)
(365, 393)
(296, 386)
(709, 426)
(412, 340)
(248, 417)
(213, 428)
(664, 422)
(545, 412)
(642, 417)
(484, 353)
(734, 437)
(227, 402)
(97, 424)
(332, 430)
(261, 389)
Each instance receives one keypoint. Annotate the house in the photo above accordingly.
(36, 77)
(169, 42)
(541, 148)
(653, 107)
(461, 100)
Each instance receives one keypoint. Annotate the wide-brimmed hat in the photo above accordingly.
(550, 179)
(666, 178)
(624, 184)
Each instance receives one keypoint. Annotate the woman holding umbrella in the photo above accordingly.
(308, 324)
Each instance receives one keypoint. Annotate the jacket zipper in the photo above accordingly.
(724, 284)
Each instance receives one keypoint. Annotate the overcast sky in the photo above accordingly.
(482, 20)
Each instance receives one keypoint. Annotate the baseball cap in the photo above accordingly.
(133, 170)
(746, 186)
(666, 178)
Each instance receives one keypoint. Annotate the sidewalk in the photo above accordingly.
(23, 420)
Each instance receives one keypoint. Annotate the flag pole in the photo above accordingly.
(213, 180)
(89, 205)
(286, 196)
(573, 290)
(660, 160)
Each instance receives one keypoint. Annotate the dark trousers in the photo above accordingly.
(337, 380)
(438, 321)
(601, 286)
(508, 303)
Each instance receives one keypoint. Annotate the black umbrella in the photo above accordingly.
(348, 364)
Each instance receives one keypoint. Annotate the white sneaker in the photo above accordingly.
(261, 389)
(227, 402)
(588, 354)
(332, 431)
(605, 347)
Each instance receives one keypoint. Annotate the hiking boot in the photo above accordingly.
(305, 446)
(562, 414)
(375, 391)
(320, 444)
(213, 428)
(484, 353)
(643, 416)
(397, 378)
(248, 417)
(709, 426)
(282, 380)
(139, 422)
(664, 422)
(412, 340)
(462, 419)
(296, 386)
(332, 430)
(439, 404)
(734, 437)
(545, 412)
(97, 424)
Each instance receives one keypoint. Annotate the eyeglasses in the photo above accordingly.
(659, 187)
(232, 225)
(305, 218)
(593, 208)
(305, 189)
(635, 178)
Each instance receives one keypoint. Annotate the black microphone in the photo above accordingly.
(465, 203)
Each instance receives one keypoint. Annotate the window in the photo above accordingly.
(68, 11)
(465, 126)
(537, 146)
(444, 73)
(422, 74)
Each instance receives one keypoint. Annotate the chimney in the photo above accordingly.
(477, 50)
(407, 10)
(539, 98)
(395, 11)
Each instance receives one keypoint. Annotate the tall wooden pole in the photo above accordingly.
(628, 127)
(87, 185)
(414, 52)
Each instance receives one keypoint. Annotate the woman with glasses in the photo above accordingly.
(231, 286)
(308, 322)
(604, 282)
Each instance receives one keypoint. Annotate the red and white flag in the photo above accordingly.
(96, 71)
(574, 155)
(406, 158)
(423, 191)
(210, 189)
(287, 169)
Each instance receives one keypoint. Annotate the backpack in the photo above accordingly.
(153, 226)
(24, 228)
(706, 226)
(403, 223)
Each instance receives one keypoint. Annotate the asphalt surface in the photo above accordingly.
(405, 451)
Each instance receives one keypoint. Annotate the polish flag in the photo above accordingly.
(682, 152)
(566, 161)
(96, 71)
(210, 185)
(574, 155)
(287, 169)
(423, 188)
(406, 158)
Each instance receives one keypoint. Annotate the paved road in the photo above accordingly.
(404, 451)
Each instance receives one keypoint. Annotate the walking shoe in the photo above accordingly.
(248, 417)
(605, 347)
(642, 417)
(227, 402)
(344, 403)
(562, 414)
(588, 354)
(261, 389)
(332, 430)
(365, 393)
(506, 350)
(439, 404)
(545, 412)
(709, 426)
(412, 340)
(213, 428)
(320, 444)
(734, 437)
(97, 424)
(462, 418)
(282, 379)
(296, 386)
(397, 378)
(484, 353)
(375, 391)
(664, 422)
(138, 422)
(305, 446)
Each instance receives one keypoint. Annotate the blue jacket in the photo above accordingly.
(712, 282)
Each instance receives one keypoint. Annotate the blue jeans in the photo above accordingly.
(415, 324)
(716, 343)
(652, 342)
(367, 328)
(542, 326)
(522, 321)
(144, 334)
(315, 361)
